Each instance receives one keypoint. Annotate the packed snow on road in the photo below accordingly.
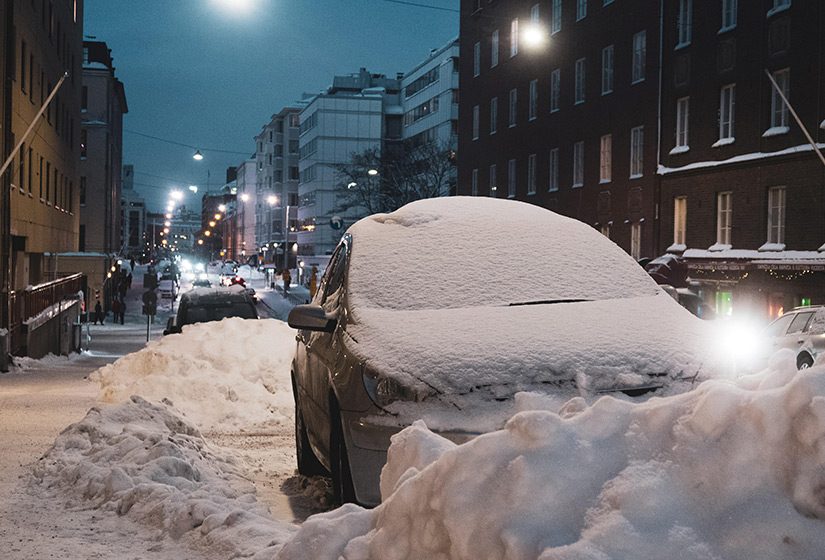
(728, 470)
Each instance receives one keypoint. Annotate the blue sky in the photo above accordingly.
(210, 73)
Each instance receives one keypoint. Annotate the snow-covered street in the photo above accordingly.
(184, 449)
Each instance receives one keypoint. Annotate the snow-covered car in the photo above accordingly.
(167, 289)
(202, 305)
(455, 310)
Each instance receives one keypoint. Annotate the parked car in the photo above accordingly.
(802, 330)
(211, 304)
(447, 308)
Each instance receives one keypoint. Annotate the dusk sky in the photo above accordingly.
(210, 73)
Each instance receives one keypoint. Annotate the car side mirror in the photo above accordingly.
(311, 318)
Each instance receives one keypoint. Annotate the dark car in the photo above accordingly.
(211, 304)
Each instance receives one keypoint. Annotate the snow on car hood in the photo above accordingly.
(585, 347)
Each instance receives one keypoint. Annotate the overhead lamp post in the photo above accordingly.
(197, 156)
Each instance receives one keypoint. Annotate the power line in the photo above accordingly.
(417, 5)
(184, 145)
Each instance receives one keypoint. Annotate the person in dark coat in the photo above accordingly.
(129, 280)
(287, 279)
(132, 264)
(122, 311)
(115, 310)
(98, 313)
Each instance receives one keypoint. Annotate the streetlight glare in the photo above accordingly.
(534, 36)
(222, 207)
(245, 197)
(177, 195)
(372, 172)
(193, 188)
(198, 156)
(272, 199)
(235, 7)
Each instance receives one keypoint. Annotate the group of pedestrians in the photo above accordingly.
(118, 312)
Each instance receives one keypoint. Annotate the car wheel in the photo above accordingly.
(339, 461)
(308, 463)
(804, 361)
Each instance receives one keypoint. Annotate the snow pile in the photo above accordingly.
(728, 471)
(226, 375)
(142, 460)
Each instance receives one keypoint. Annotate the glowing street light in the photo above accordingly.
(167, 223)
(176, 195)
(193, 188)
(372, 172)
(534, 36)
(272, 200)
(245, 197)
(168, 216)
(207, 233)
(217, 217)
(200, 241)
(198, 156)
(212, 224)
(222, 207)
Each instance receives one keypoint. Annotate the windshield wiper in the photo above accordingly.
(548, 301)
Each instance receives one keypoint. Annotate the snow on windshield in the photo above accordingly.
(478, 251)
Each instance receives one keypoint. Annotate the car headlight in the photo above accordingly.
(384, 391)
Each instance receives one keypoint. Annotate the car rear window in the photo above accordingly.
(800, 322)
(204, 313)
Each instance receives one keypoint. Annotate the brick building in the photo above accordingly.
(563, 104)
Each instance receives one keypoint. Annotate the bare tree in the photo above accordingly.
(402, 173)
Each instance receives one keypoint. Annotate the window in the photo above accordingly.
(23, 58)
(493, 180)
(513, 99)
(639, 56)
(778, 6)
(83, 143)
(84, 98)
(684, 22)
(723, 217)
(533, 101)
(20, 174)
(554, 170)
(30, 171)
(779, 111)
(729, 8)
(476, 59)
(475, 122)
(579, 89)
(41, 178)
(776, 215)
(607, 69)
(727, 104)
(605, 230)
(531, 174)
(578, 164)
(637, 139)
(493, 115)
(534, 14)
(679, 220)
(295, 120)
(682, 113)
(636, 240)
(581, 9)
(555, 26)
(511, 179)
(606, 159)
(293, 146)
(514, 37)
(293, 173)
(494, 49)
(48, 179)
(475, 182)
(430, 77)
(555, 89)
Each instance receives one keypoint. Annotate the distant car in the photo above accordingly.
(252, 293)
(202, 305)
(167, 289)
(445, 309)
(802, 330)
(202, 283)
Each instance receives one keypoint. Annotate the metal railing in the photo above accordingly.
(30, 302)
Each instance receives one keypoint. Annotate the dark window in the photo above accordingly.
(83, 191)
(23, 58)
(82, 239)
(293, 173)
(84, 98)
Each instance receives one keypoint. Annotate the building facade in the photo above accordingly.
(276, 189)
(357, 112)
(244, 244)
(558, 108)
(742, 188)
(103, 104)
(132, 215)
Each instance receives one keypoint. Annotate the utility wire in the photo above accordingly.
(184, 145)
(417, 5)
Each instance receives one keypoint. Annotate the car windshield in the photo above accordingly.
(216, 312)
(491, 253)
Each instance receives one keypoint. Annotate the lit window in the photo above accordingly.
(636, 240)
(578, 164)
(776, 215)
(679, 220)
(514, 37)
(606, 158)
(723, 217)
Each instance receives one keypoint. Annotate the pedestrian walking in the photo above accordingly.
(122, 311)
(132, 263)
(98, 313)
(115, 310)
(287, 279)
(129, 280)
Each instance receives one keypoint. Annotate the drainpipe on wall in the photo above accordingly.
(5, 193)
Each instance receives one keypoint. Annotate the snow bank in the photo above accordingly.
(144, 461)
(728, 471)
(225, 376)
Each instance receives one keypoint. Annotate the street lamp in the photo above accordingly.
(222, 207)
(372, 172)
(197, 156)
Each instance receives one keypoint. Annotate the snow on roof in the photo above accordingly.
(754, 254)
(724, 471)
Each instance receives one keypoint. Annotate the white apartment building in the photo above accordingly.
(357, 112)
